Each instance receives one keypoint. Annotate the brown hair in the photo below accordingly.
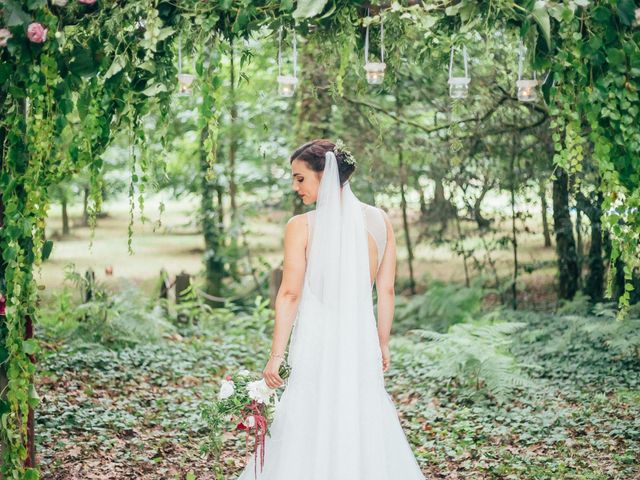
(312, 153)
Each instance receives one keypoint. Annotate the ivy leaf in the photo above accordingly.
(155, 89)
(541, 17)
(30, 346)
(118, 64)
(83, 62)
(46, 249)
(615, 56)
(13, 14)
(164, 33)
(31, 474)
(34, 4)
(309, 8)
(147, 65)
(33, 398)
(626, 10)
(84, 100)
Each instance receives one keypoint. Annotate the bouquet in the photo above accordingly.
(243, 405)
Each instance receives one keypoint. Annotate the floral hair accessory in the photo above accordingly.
(348, 157)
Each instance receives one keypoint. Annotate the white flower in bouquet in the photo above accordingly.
(259, 391)
(227, 388)
(250, 421)
(244, 372)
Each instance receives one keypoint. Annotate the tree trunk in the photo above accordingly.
(579, 244)
(65, 215)
(565, 243)
(544, 206)
(594, 283)
(423, 202)
(314, 112)
(482, 222)
(85, 207)
(514, 231)
(214, 262)
(405, 221)
(233, 136)
(314, 115)
(220, 204)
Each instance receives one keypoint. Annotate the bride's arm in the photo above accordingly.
(288, 296)
(385, 286)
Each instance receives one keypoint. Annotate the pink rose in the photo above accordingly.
(5, 35)
(87, 2)
(36, 32)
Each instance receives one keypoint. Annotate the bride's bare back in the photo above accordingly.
(380, 236)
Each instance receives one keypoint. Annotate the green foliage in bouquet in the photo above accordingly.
(240, 401)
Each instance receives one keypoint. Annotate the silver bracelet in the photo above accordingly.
(277, 355)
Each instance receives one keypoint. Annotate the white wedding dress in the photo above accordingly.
(335, 419)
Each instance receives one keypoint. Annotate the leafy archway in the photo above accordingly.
(73, 73)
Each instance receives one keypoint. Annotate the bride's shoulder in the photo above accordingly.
(296, 228)
(300, 218)
(297, 222)
(373, 207)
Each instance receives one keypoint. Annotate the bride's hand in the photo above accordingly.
(386, 357)
(270, 373)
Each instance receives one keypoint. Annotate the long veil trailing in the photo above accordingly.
(335, 420)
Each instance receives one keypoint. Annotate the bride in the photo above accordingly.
(335, 419)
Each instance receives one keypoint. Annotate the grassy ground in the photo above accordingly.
(177, 245)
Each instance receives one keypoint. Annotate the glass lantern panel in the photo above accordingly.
(460, 90)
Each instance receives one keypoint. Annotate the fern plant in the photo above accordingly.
(477, 356)
(619, 336)
(116, 319)
(442, 305)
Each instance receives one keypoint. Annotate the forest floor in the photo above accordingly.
(134, 412)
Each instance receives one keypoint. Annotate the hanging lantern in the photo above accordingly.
(287, 83)
(527, 89)
(184, 84)
(459, 86)
(375, 70)
(184, 79)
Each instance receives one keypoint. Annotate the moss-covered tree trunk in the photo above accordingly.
(543, 211)
(211, 229)
(594, 283)
(65, 215)
(3, 325)
(565, 243)
(314, 114)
